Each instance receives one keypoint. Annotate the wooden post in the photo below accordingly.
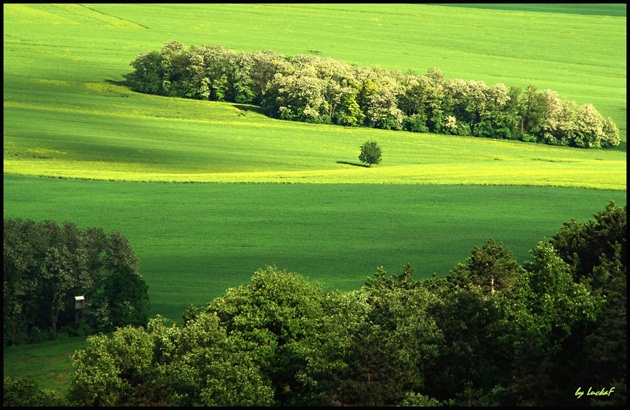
(79, 304)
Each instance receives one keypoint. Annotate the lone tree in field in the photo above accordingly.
(370, 153)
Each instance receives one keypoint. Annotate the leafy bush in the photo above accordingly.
(25, 392)
(370, 153)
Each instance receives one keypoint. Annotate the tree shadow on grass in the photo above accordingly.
(248, 107)
(122, 83)
(622, 146)
(354, 164)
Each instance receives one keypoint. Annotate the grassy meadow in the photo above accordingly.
(158, 139)
(50, 363)
(208, 192)
(195, 240)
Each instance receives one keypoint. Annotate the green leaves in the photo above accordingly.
(370, 153)
(491, 267)
(25, 392)
(46, 265)
(556, 298)
(197, 365)
(320, 90)
(284, 340)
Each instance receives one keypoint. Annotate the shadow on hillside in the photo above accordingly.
(622, 146)
(247, 108)
(354, 164)
(122, 83)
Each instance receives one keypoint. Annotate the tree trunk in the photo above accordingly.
(55, 317)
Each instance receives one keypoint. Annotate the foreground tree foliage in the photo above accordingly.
(25, 392)
(596, 252)
(325, 91)
(491, 333)
(46, 265)
(197, 365)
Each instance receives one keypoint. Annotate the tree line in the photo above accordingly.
(322, 90)
(492, 332)
(46, 265)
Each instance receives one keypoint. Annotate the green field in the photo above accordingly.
(79, 146)
(582, 56)
(149, 138)
(195, 240)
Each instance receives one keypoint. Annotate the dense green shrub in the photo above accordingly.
(25, 392)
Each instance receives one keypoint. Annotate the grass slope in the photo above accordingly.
(65, 115)
(149, 138)
(583, 57)
(50, 363)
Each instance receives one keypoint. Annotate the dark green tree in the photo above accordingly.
(491, 268)
(474, 356)
(24, 248)
(201, 365)
(148, 74)
(596, 251)
(370, 153)
(125, 289)
(329, 348)
(274, 316)
(544, 311)
(373, 345)
(399, 342)
(45, 265)
(597, 353)
(174, 65)
(583, 244)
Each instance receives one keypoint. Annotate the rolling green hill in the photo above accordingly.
(81, 147)
(583, 57)
(147, 138)
(68, 116)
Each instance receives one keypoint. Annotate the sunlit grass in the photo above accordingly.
(584, 175)
(161, 139)
(583, 57)
(67, 116)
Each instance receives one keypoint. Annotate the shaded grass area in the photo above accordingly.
(50, 363)
(354, 164)
(598, 9)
